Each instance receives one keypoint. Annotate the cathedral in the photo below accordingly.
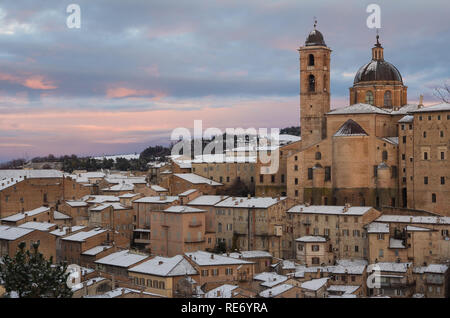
(379, 151)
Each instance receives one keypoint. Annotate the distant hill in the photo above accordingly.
(291, 131)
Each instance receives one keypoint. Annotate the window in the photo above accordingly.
(327, 173)
(315, 248)
(394, 172)
(425, 155)
(272, 178)
(442, 155)
(381, 253)
(433, 197)
(380, 236)
(442, 180)
(296, 193)
(318, 155)
(369, 97)
(384, 155)
(356, 248)
(282, 178)
(310, 173)
(295, 158)
(425, 180)
(424, 134)
(375, 171)
(441, 133)
(296, 180)
(403, 156)
(261, 178)
(310, 60)
(296, 168)
(387, 99)
(312, 83)
(404, 139)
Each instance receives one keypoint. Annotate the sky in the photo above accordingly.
(137, 69)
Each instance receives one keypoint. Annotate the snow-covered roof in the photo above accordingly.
(114, 205)
(223, 291)
(82, 236)
(20, 216)
(275, 291)
(395, 243)
(405, 109)
(196, 179)
(102, 198)
(41, 226)
(406, 119)
(203, 258)
(411, 228)
(432, 269)
(87, 283)
(165, 266)
(122, 291)
(157, 199)
(95, 250)
(358, 109)
(245, 202)
(76, 204)
(391, 140)
(442, 107)
(63, 231)
(389, 267)
(414, 219)
(311, 239)
(60, 216)
(121, 259)
(120, 187)
(329, 209)
(158, 188)
(377, 227)
(346, 289)
(270, 279)
(315, 284)
(183, 209)
(29, 174)
(187, 192)
(207, 200)
(128, 195)
(12, 233)
(249, 254)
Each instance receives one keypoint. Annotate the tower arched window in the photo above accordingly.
(310, 60)
(369, 97)
(384, 155)
(312, 83)
(388, 99)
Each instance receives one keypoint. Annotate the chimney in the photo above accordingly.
(218, 293)
(420, 101)
(160, 262)
(212, 256)
(249, 196)
(123, 292)
(318, 273)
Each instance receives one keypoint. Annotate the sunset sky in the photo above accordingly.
(135, 70)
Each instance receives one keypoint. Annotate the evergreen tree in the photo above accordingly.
(30, 275)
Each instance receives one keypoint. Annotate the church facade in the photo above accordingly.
(372, 152)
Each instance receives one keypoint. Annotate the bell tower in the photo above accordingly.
(314, 88)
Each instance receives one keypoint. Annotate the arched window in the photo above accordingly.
(369, 97)
(318, 155)
(384, 155)
(312, 83)
(388, 99)
(310, 60)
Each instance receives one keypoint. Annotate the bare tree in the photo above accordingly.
(443, 93)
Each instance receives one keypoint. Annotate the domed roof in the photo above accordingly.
(378, 70)
(315, 38)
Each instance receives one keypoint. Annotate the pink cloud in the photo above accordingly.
(37, 82)
(122, 92)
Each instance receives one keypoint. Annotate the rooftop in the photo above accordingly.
(20, 216)
(329, 209)
(121, 259)
(196, 179)
(165, 266)
(203, 258)
(253, 202)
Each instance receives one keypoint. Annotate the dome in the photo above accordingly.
(315, 38)
(377, 70)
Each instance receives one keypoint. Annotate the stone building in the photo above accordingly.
(379, 151)
(343, 226)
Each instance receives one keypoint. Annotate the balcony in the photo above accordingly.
(195, 224)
